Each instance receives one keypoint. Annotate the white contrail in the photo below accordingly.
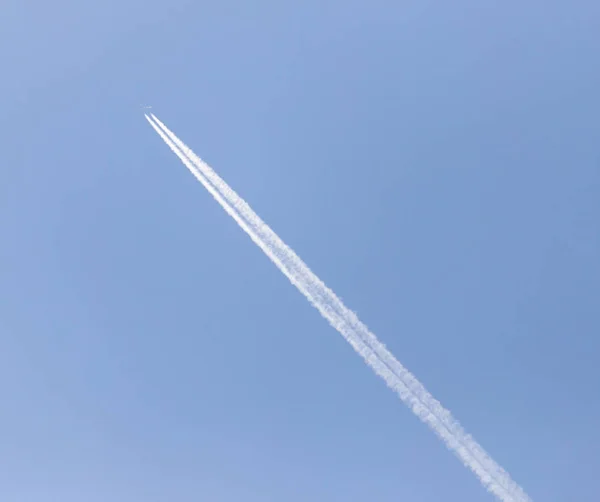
(320, 292)
(411, 391)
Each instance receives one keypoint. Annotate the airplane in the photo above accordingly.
(145, 107)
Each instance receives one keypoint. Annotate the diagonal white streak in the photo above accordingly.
(396, 376)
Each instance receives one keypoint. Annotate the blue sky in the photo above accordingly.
(436, 164)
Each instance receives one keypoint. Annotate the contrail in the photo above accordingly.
(397, 377)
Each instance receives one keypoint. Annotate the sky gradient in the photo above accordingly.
(436, 165)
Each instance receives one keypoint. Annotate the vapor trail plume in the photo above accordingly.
(410, 390)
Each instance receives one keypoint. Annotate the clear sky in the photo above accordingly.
(436, 163)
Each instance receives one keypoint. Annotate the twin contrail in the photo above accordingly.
(365, 343)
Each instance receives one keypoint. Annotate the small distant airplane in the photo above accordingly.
(146, 107)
